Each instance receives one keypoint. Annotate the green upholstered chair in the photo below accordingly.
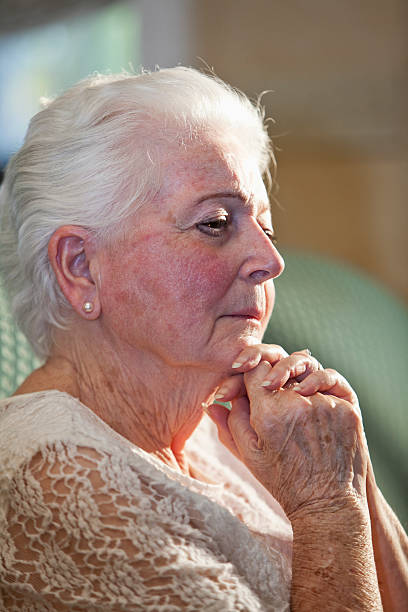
(348, 322)
(16, 357)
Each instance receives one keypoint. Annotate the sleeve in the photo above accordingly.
(74, 539)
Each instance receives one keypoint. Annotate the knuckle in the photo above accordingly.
(318, 375)
(324, 376)
(332, 375)
(347, 413)
(315, 364)
(287, 363)
(351, 416)
(322, 403)
(304, 351)
(276, 347)
(262, 369)
(303, 358)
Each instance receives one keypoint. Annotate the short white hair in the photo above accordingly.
(92, 156)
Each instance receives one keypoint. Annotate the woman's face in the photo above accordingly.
(191, 281)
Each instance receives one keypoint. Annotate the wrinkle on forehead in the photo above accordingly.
(212, 166)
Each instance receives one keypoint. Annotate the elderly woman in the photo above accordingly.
(138, 251)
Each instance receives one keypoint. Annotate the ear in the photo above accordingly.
(71, 253)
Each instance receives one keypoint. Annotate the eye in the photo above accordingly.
(214, 227)
(272, 236)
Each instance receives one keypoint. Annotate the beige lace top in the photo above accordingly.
(88, 521)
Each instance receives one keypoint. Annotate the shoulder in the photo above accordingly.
(57, 426)
(31, 422)
(45, 415)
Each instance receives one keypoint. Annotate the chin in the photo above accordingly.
(228, 351)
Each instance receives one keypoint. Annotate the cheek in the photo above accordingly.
(160, 275)
(200, 277)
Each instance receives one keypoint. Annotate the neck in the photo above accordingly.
(155, 405)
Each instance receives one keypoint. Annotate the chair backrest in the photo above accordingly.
(17, 359)
(354, 325)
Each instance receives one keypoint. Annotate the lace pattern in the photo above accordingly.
(89, 521)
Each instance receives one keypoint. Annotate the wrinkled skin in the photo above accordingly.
(298, 428)
(304, 443)
(161, 354)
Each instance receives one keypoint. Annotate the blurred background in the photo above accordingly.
(336, 77)
(337, 73)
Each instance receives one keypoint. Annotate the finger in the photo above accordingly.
(243, 434)
(231, 388)
(307, 352)
(297, 365)
(255, 378)
(219, 415)
(326, 381)
(269, 406)
(254, 383)
(251, 356)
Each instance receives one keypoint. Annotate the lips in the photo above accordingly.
(249, 306)
(253, 313)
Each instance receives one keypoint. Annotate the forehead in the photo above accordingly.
(212, 166)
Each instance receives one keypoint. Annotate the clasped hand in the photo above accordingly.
(296, 426)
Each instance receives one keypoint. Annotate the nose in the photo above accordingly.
(263, 260)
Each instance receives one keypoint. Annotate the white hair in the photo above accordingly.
(92, 156)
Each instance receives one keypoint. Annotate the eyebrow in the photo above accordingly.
(237, 195)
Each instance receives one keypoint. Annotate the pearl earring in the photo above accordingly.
(88, 307)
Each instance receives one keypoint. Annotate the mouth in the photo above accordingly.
(251, 314)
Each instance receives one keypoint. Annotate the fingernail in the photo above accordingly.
(266, 383)
(237, 364)
(296, 388)
(221, 392)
